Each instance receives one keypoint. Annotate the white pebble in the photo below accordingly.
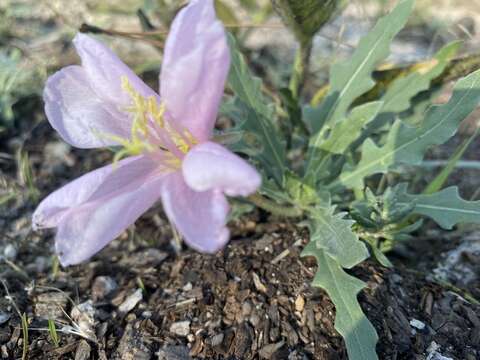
(417, 324)
(180, 328)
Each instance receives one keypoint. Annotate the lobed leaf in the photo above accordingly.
(350, 321)
(332, 233)
(445, 207)
(402, 94)
(346, 132)
(255, 117)
(353, 77)
(403, 89)
(407, 144)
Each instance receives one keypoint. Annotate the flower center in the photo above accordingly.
(151, 130)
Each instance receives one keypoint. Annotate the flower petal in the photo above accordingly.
(105, 71)
(81, 117)
(107, 209)
(199, 216)
(95, 184)
(195, 67)
(211, 166)
(86, 230)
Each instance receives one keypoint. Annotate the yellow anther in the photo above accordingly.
(148, 113)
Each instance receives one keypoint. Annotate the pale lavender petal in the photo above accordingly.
(199, 216)
(211, 166)
(86, 230)
(105, 70)
(50, 211)
(94, 185)
(81, 117)
(106, 210)
(194, 68)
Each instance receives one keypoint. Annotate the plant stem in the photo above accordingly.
(300, 67)
(272, 207)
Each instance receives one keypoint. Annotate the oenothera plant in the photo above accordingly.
(166, 137)
(318, 163)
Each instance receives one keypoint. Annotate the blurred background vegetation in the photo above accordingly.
(35, 36)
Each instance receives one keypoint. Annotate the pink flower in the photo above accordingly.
(167, 137)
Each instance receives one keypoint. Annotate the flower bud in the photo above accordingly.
(306, 17)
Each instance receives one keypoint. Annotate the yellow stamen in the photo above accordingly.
(148, 115)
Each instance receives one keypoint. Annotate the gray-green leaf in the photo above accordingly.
(345, 132)
(402, 90)
(256, 116)
(350, 321)
(332, 233)
(446, 207)
(353, 77)
(407, 144)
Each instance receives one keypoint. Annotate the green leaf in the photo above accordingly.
(271, 190)
(332, 233)
(353, 77)
(437, 183)
(407, 144)
(402, 90)
(350, 321)
(247, 87)
(376, 252)
(300, 192)
(249, 138)
(445, 207)
(401, 93)
(345, 132)
(254, 115)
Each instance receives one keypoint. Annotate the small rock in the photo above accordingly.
(174, 353)
(434, 354)
(10, 252)
(147, 314)
(83, 351)
(246, 308)
(102, 287)
(254, 319)
(216, 340)
(267, 351)
(456, 267)
(4, 317)
(180, 328)
(417, 324)
(149, 257)
(188, 286)
(299, 303)
(131, 301)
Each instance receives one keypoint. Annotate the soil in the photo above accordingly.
(141, 298)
